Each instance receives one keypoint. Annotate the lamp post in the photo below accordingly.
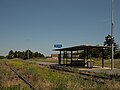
(112, 32)
(28, 54)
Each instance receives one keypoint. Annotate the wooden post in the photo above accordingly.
(102, 58)
(77, 55)
(66, 57)
(84, 55)
(59, 58)
(87, 53)
(71, 57)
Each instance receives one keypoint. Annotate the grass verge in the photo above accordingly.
(45, 79)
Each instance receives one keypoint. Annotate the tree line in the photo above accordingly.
(28, 54)
(97, 53)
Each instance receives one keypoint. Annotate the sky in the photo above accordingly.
(39, 24)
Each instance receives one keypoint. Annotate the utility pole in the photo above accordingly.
(28, 54)
(28, 50)
(112, 32)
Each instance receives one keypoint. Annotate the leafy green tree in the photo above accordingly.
(41, 55)
(10, 55)
(36, 55)
(2, 57)
(28, 54)
(16, 54)
(117, 54)
(24, 55)
(109, 40)
(81, 56)
(95, 52)
(20, 54)
(107, 53)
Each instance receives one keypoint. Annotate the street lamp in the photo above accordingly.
(112, 32)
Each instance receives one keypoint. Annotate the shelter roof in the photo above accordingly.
(81, 47)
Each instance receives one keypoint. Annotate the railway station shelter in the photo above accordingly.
(70, 55)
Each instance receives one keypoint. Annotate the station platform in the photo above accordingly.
(99, 69)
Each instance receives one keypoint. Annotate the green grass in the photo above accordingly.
(9, 80)
(13, 87)
(45, 79)
(45, 60)
(107, 62)
(98, 62)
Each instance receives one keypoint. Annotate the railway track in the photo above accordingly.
(20, 76)
(68, 71)
(84, 75)
(81, 75)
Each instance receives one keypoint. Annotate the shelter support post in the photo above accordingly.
(66, 57)
(59, 58)
(84, 55)
(87, 53)
(71, 57)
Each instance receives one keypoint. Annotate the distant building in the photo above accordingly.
(54, 56)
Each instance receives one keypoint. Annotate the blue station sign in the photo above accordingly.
(58, 45)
